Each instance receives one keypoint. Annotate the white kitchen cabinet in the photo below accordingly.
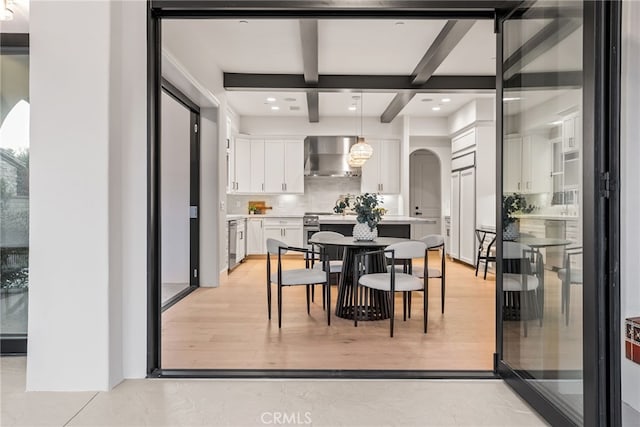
(528, 163)
(240, 173)
(536, 164)
(284, 166)
(454, 246)
(512, 182)
(257, 166)
(255, 237)
(241, 242)
(463, 215)
(571, 132)
(381, 173)
(287, 230)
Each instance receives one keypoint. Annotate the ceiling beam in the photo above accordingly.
(448, 38)
(396, 105)
(309, 42)
(364, 83)
(541, 42)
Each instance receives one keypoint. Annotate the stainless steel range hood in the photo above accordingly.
(328, 156)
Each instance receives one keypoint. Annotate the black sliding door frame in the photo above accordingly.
(601, 234)
(194, 190)
(203, 9)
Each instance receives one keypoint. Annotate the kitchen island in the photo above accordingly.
(390, 226)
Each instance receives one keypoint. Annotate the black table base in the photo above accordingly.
(371, 304)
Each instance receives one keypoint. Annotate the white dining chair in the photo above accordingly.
(307, 276)
(392, 281)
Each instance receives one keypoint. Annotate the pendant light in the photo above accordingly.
(361, 150)
(355, 163)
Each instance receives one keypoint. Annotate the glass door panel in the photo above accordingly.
(14, 201)
(542, 201)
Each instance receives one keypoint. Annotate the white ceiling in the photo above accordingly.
(20, 22)
(356, 47)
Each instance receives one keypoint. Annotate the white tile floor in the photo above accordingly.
(265, 402)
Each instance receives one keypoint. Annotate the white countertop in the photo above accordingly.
(387, 219)
(555, 217)
(232, 217)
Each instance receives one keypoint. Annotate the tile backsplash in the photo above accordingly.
(320, 195)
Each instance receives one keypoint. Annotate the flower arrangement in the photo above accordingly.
(513, 204)
(366, 206)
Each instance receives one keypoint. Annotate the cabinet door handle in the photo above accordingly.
(381, 187)
(263, 186)
(518, 186)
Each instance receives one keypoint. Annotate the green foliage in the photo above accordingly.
(513, 204)
(366, 206)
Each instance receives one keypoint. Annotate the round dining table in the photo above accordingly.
(373, 304)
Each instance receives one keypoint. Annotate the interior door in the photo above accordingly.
(551, 60)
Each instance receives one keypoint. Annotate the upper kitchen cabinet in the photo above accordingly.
(527, 164)
(571, 129)
(284, 166)
(381, 173)
(240, 166)
(258, 166)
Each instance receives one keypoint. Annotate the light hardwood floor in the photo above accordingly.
(227, 327)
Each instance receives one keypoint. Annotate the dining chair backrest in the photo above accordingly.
(327, 235)
(518, 258)
(433, 240)
(273, 246)
(407, 250)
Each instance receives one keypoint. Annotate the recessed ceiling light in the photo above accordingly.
(271, 99)
(446, 99)
(511, 99)
(557, 122)
(243, 22)
(294, 108)
(399, 22)
(290, 99)
(356, 97)
(275, 107)
(352, 108)
(436, 108)
(426, 99)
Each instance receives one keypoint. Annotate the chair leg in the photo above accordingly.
(404, 306)
(409, 305)
(313, 293)
(269, 299)
(442, 286)
(486, 267)
(567, 301)
(328, 287)
(477, 263)
(393, 304)
(308, 294)
(279, 306)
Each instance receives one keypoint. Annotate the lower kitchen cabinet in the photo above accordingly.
(287, 230)
(255, 237)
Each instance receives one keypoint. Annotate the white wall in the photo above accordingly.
(209, 196)
(175, 142)
(88, 195)
(429, 126)
(630, 197)
(486, 176)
